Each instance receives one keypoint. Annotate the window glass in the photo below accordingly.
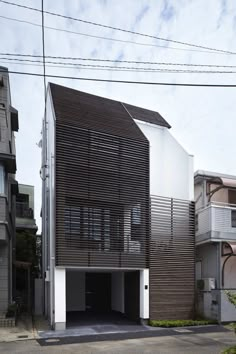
(72, 221)
(2, 180)
(136, 215)
(88, 223)
(233, 218)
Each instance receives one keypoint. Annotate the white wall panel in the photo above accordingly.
(171, 167)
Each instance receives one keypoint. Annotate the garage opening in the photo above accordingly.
(102, 297)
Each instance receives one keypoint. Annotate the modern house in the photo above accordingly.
(8, 189)
(117, 212)
(215, 196)
(25, 209)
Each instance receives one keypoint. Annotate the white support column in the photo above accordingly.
(60, 298)
(144, 294)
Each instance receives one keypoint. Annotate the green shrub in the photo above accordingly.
(231, 350)
(11, 310)
(180, 323)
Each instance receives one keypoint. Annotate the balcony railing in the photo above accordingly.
(23, 210)
(216, 221)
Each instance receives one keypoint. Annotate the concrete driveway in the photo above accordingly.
(194, 343)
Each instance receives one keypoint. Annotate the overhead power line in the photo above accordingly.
(114, 60)
(119, 29)
(43, 48)
(124, 81)
(109, 38)
(118, 68)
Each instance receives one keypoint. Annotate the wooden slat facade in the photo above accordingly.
(102, 183)
(172, 259)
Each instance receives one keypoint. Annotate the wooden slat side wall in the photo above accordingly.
(172, 259)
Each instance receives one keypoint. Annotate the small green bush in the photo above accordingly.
(231, 350)
(180, 323)
(11, 310)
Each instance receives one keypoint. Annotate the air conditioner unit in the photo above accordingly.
(207, 284)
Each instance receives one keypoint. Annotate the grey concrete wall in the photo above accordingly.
(4, 277)
(6, 200)
(3, 211)
(4, 134)
(207, 254)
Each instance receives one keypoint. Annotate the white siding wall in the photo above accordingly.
(171, 167)
(221, 219)
(204, 221)
(229, 272)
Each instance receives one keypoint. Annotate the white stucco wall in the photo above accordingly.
(75, 291)
(228, 311)
(117, 292)
(171, 167)
(60, 295)
(229, 272)
(144, 294)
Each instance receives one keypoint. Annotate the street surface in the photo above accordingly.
(209, 343)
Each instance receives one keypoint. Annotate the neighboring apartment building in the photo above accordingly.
(117, 212)
(8, 189)
(215, 197)
(25, 209)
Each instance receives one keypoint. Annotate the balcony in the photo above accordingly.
(216, 222)
(23, 211)
(25, 218)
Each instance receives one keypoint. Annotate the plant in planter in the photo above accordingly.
(232, 299)
(11, 310)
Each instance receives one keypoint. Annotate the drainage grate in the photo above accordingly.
(183, 330)
(52, 340)
(22, 336)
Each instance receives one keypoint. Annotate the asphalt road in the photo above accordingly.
(209, 343)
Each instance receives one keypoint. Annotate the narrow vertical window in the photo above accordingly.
(2, 180)
(233, 218)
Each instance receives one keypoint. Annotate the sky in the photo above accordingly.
(202, 119)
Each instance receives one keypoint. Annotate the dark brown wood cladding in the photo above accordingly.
(172, 259)
(146, 115)
(102, 183)
(71, 105)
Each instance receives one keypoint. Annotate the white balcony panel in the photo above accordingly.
(215, 223)
(221, 219)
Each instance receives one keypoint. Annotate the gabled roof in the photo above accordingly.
(99, 113)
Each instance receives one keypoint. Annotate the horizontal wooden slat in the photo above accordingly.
(102, 163)
(172, 259)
